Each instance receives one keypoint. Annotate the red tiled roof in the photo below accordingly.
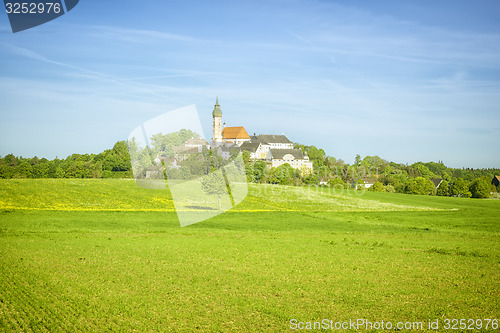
(231, 133)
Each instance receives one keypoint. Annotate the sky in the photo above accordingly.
(405, 80)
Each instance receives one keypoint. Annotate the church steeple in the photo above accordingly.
(217, 122)
(217, 111)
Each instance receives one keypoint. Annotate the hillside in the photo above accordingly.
(124, 195)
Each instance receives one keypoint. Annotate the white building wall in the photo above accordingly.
(296, 164)
(239, 142)
(263, 152)
(281, 145)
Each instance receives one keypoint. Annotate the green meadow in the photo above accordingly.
(106, 255)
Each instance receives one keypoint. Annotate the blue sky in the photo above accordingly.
(406, 80)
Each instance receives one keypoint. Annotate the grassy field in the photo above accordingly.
(101, 255)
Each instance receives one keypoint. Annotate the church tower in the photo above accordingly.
(217, 123)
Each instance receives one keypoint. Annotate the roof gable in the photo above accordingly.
(227, 149)
(271, 138)
(185, 150)
(280, 153)
(436, 182)
(250, 146)
(167, 159)
(196, 142)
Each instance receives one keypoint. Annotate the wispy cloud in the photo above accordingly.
(337, 75)
(81, 72)
(141, 35)
(387, 37)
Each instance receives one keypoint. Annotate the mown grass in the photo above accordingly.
(116, 261)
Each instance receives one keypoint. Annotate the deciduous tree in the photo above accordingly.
(420, 185)
(459, 188)
(214, 184)
(443, 189)
(480, 188)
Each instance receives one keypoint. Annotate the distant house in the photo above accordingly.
(257, 150)
(161, 162)
(167, 161)
(224, 149)
(273, 141)
(369, 182)
(198, 143)
(191, 146)
(181, 153)
(496, 181)
(224, 152)
(436, 182)
(154, 172)
(276, 150)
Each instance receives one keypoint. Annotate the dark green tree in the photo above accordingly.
(357, 160)
(308, 179)
(41, 170)
(480, 188)
(459, 188)
(283, 175)
(420, 185)
(259, 171)
(23, 170)
(59, 173)
(78, 169)
(443, 189)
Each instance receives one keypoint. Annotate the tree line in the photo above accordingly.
(328, 171)
(416, 178)
(112, 163)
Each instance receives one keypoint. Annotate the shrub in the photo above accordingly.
(377, 187)
(390, 189)
(336, 182)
